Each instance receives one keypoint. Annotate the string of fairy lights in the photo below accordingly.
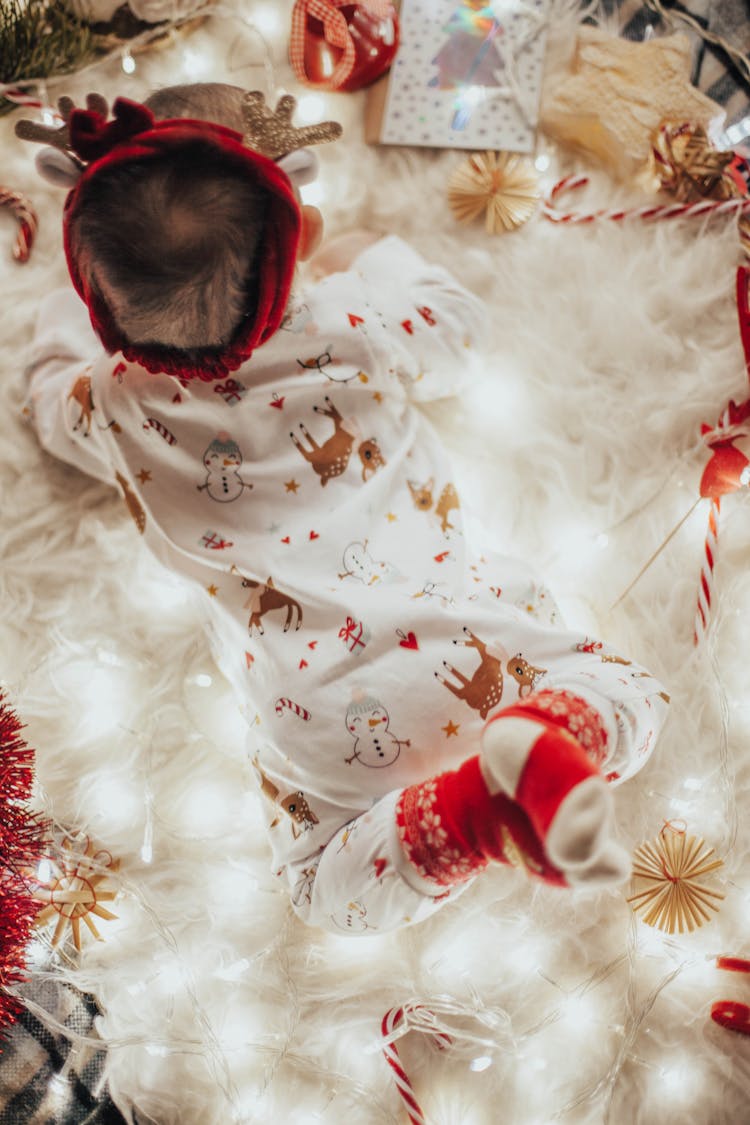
(478, 1034)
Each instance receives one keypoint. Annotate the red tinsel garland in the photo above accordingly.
(22, 838)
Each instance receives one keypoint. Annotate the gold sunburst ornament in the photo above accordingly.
(71, 889)
(502, 186)
(668, 882)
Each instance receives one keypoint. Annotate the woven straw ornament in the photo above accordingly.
(501, 185)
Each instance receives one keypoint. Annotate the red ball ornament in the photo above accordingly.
(728, 468)
(342, 46)
(727, 471)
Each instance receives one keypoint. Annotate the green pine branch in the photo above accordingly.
(39, 39)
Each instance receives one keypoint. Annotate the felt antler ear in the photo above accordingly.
(59, 137)
(271, 131)
(301, 166)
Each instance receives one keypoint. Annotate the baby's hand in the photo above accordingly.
(338, 254)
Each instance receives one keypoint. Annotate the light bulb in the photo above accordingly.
(195, 63)
(578, 1013)
(267, 18)
(310, 109)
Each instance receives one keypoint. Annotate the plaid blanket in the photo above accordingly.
(45, 1079)
(715, 72)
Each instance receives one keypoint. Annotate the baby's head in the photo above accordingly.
(183, 243)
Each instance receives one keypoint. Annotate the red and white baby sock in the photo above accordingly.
(533, 796)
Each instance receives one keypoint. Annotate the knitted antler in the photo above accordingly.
(59, 137)
(271, 131)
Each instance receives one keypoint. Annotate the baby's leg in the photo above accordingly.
(550, 757)
(412, 852)
(362, 883)
(538, 795)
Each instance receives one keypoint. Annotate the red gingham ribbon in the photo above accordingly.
(391, 1021)
(335, 31)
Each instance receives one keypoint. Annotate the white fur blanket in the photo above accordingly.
(580, 449)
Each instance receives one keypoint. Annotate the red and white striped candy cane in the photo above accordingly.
(706, 587)
(290, 705)
(733, 423)
(27, 218)
(161, 429)
(17, 96)
(732, 1014)
(391, 1021)
(651, 211)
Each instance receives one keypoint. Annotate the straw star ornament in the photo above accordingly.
(501, 185)
(74, 891)
(668, 879)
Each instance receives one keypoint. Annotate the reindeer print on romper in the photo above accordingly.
(80, 394)
(525, 674)
(222, 462)
(294, 804)
(134, 505)
(371, 457)
(448, 500)
(484, 689)
(332, 457)
(368, 723)
(264, 598)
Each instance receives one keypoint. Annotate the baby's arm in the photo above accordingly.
(62, 352)
(337, 254)
(432, 326)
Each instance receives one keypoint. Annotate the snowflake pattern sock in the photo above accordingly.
(451, 827)
(534, 797)
(544, 753)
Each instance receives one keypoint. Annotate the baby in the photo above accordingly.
(417, 714)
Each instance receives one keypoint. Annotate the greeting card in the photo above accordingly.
(467, 75)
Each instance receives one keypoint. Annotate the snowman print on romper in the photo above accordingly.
(368, 721)
(352, 919)
(222, 462)
(359, 564)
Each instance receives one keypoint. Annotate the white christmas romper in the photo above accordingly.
(312, 501)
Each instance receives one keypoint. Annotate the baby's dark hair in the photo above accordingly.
(171, 243)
